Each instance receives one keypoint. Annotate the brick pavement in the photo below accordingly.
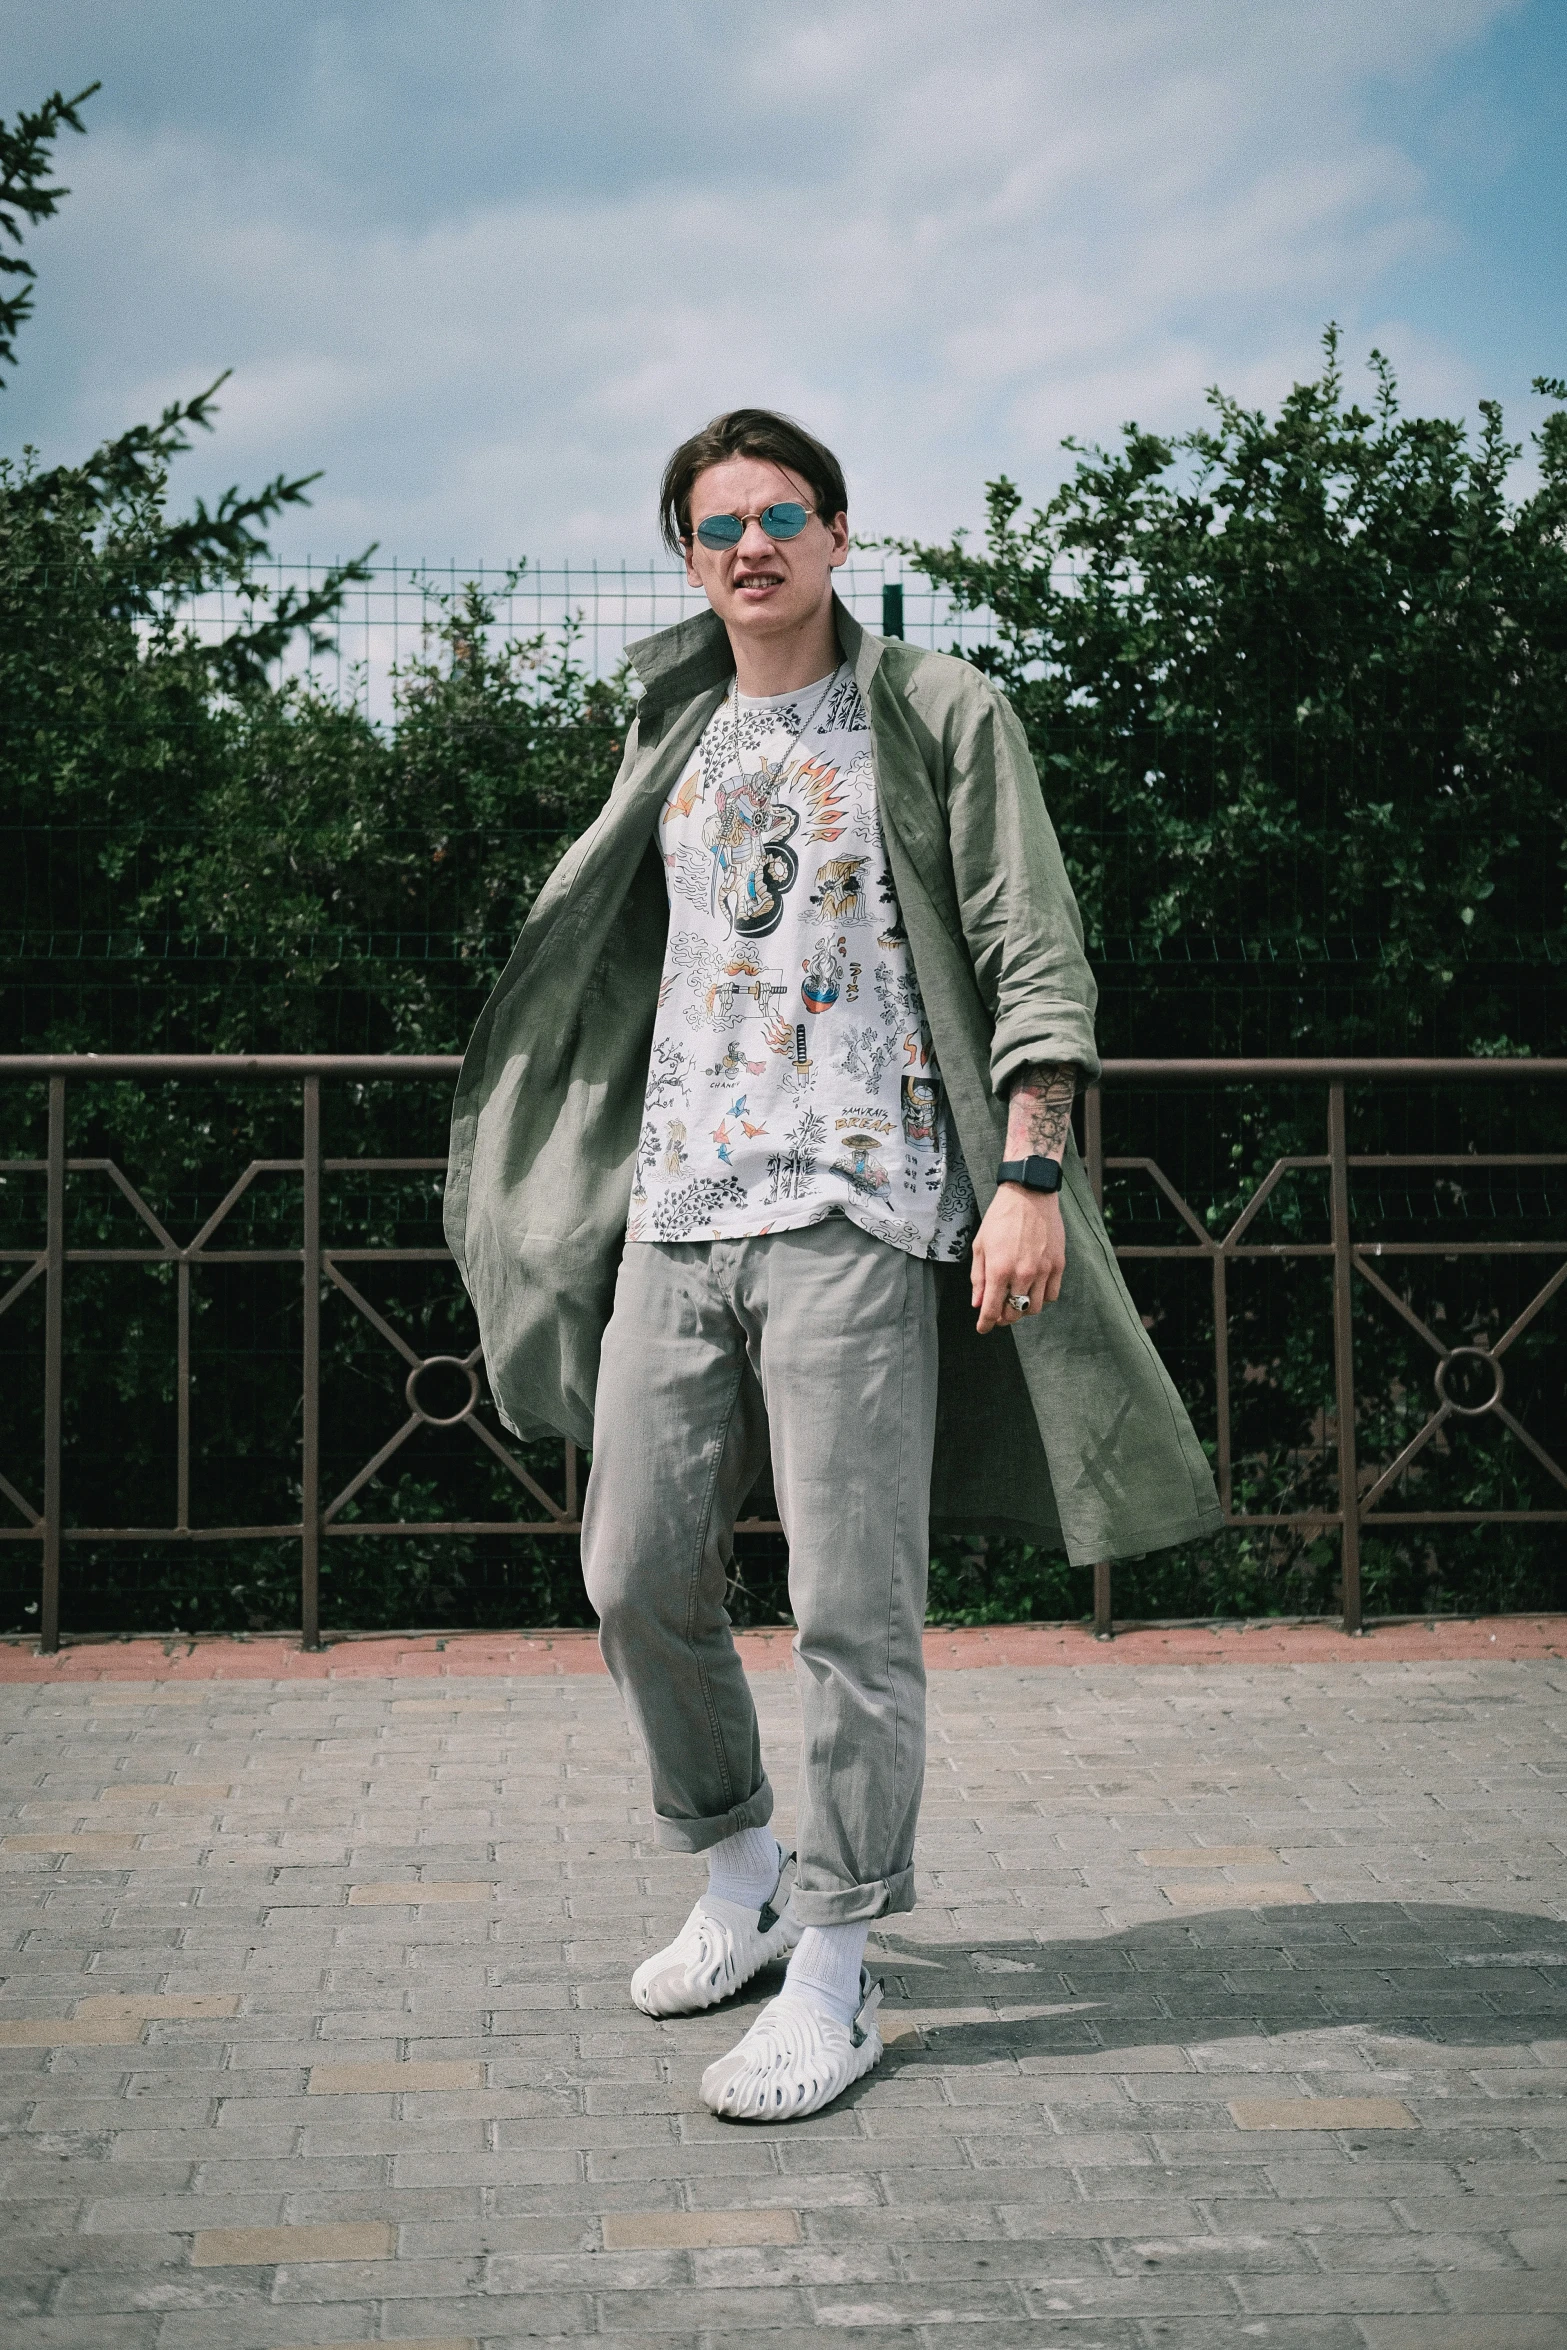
(1235, 2012)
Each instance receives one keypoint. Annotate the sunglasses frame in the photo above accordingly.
(781, 538)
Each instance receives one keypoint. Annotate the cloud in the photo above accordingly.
(946, 237)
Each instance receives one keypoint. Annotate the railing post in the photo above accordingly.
(1344, 1359)
(310, 1451)
(1221, 1379)
(1094, 1142)
(54, 1367)
(182, 1397)
(1094, 1162)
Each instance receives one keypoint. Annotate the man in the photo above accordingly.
(793, 1031)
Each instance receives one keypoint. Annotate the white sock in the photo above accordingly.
(825, 1969)
(744, 1867)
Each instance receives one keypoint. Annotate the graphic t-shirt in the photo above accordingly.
(792, 1075)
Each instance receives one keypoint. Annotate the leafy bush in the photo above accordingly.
(1296, 689)
(1296, 686)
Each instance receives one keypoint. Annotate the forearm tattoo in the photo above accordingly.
(1039, 1110)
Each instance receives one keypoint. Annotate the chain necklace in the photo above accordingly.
(776, 766)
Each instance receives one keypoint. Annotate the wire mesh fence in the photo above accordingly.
(121, 930)
(393, 614)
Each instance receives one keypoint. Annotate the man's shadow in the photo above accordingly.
(1433, 1972)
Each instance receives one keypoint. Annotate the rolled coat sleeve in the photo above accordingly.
(1019, 914)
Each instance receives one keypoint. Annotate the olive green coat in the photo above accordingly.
(1065, 1429)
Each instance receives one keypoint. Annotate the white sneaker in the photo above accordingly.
(794, 2060)
(720, 1947)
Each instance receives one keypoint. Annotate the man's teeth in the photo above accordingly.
(759, 579)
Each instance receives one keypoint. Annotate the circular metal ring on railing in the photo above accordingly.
(1479, 1354)
(441, 1363)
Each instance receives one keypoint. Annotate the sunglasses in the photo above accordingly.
(785, 521)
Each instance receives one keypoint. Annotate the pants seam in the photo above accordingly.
(897, 1530)
(704, 1522)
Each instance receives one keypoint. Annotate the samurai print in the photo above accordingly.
(921, 1108)
(754, 868)
(792, 1075)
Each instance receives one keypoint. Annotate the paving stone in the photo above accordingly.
(169, 1791)
(1147, 1897)
(146, 2249)
(91, 1844)
(1176, 2332)
(1219, 1893)
(64, 2332)
(157, 2005)
(1345, 2291)
(698, 2230)
(713, 2313)
(1540, 2247)
(1530, 2291)
(251, 2247)
(364, 2080)
(1469, 2332)
(1210, 1856)
(69, 2032)
(422, 1896)
(1321, 2113)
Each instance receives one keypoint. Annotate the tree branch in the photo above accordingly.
(24, 196)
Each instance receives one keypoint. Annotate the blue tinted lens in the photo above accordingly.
(783, 522)
(721, 530)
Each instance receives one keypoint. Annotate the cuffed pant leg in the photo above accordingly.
(845, 1328)
(679, 1435)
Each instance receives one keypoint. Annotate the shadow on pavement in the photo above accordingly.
(1440, 1973)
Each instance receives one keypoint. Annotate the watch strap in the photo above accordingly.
(1035, 1174)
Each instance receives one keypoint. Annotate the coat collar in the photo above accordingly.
(694, 656)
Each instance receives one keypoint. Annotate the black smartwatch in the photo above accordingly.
(1034, 1174)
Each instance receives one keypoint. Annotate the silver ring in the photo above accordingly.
(1018, 1302)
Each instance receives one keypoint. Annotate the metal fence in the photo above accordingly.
(1468, 1377)
(389, 618)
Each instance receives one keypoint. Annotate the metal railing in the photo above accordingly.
(1356, 1506)
(1360, 1502)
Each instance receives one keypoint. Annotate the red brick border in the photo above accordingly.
(433, 1656)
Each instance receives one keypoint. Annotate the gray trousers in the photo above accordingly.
(820, 1344)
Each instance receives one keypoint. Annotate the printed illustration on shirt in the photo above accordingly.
(839, 895)
(725, 983)
(920, 1104)
(753, 866)
(792, 1074)
(894, 935)
(863, 1132)
(790, 1170)
(823, 968)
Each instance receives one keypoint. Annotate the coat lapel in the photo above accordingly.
(681, 662)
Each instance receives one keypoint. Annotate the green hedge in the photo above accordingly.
(1296, 685)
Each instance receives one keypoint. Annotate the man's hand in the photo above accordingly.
(1019, 1249)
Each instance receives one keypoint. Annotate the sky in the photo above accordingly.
(485, 261)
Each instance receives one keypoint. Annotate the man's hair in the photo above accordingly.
(747, 432)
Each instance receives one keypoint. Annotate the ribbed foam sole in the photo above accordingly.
(793, 2061)
(715, 1954)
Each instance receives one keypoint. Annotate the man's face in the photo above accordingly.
(763, 587)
